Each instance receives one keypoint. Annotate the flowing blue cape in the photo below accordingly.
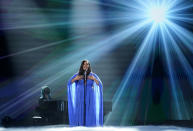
(85, 110)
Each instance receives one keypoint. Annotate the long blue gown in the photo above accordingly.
(85, 110)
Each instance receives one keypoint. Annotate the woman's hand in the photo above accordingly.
(94, 79)
(78, 77)
(91, 77)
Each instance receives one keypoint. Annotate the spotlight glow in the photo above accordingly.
(157, 14)
(167, 17)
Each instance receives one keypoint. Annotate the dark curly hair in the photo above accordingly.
(81, 71)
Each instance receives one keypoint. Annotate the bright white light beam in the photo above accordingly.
(157, 14)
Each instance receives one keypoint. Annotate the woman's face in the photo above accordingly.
(85, 65)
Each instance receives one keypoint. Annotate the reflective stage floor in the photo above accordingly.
(105, 128)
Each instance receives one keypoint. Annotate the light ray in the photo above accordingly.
(171, 74)
(187, 67)
(116, 38)
(184, 35)
(41, 47)
(138, 61)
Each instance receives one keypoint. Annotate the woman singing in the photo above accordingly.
(85, 98)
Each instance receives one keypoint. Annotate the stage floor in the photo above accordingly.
(105, 128)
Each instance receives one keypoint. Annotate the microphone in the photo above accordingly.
(85, 72)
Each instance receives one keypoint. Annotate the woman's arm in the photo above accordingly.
(94, 79)
(78, 77)
(97, 82)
